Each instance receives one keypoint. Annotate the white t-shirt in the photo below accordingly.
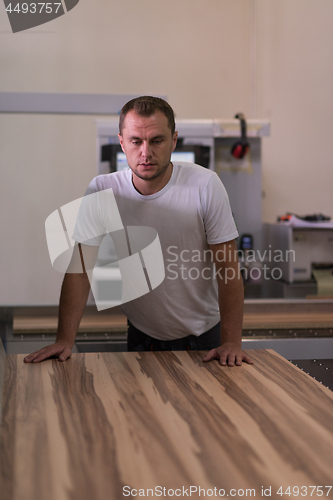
(189, 213)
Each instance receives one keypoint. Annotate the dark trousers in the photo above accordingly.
(139, 341)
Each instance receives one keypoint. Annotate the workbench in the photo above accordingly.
(296, 329)
(163, 424)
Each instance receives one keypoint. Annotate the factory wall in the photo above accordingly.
(211, 58)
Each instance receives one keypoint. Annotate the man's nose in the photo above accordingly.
(146, 150)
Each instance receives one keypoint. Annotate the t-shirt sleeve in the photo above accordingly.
(217, 216)
(97, 215)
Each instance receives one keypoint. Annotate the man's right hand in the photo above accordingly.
(61, 350)
(73, 298)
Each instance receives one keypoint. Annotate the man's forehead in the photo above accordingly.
(156, 122)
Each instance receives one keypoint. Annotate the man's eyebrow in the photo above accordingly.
(160, 136)
(134, 138)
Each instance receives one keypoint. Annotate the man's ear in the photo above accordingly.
(120, 137)
(174, 140)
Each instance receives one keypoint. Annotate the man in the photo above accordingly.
(189, 208)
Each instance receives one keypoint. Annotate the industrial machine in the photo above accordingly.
(302, 254)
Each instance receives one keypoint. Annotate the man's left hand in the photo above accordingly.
(228, 354)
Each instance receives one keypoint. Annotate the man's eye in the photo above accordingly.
(157, 141)
(136, 142)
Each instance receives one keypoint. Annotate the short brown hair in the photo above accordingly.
(147, 106)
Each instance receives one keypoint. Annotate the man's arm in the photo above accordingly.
(231, 300)
(73, 298)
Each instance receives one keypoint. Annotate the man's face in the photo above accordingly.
(148, 144)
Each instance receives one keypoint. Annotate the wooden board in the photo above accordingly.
(90, 323)
(288, 319)
(2, 373)
(118, 323)
(100, 425)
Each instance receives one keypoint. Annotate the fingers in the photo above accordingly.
(234, 359)
(224, 357)
(228, 357)
(47, 352)
(35, 356)
(66, 353)
(247, 360)
(211, 355)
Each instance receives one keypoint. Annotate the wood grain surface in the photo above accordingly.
(2, 373)
(99, 425)
(282, 320)
(118, 323)
(91, 323)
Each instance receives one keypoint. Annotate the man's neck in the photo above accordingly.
(149, 187)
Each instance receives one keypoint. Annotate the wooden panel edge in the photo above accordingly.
(2, 374)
